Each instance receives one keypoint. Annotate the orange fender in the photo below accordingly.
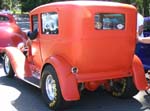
(18, 62)
(139, 74)
(67, 81)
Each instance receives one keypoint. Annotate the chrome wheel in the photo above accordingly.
(7, 65)
(50, 87)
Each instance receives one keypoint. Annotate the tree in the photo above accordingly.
(28, 5)
(143, 5)
(146, 5)
(11, 3)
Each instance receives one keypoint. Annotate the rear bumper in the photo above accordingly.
(101, 76)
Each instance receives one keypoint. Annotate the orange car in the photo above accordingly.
(77, 45)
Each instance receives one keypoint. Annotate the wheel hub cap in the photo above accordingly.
(50, 87)
(7, 69)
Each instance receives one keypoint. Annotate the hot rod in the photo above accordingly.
(77, 45)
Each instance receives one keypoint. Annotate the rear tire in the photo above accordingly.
(51, 89)
(123, 88)
(7, 67)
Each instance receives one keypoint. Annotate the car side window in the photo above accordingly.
(33, 34)
(50, 23)
(108, 21)
(35, 22)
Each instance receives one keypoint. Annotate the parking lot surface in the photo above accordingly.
(16, 95)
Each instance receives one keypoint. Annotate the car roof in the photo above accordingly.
(7, 15)
(86, 3)
(10, 16)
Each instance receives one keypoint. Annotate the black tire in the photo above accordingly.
(123, 88)
(7, 67)
(53, 96)
(146, 70)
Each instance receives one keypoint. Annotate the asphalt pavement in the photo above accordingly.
(16, 95)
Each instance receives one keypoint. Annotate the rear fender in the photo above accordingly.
(67, 80)
(18, 61)
(139, 74)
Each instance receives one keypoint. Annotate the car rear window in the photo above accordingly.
(109, 21)
(4, 19)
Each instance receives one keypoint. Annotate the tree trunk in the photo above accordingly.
(146, 4)
(1, 4)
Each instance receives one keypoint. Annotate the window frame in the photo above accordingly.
(99, 25)
(53, 24)
(34, 27)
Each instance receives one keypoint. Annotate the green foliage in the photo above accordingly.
(24, 5)
(12, 4)
(143, 5)
(28, 5)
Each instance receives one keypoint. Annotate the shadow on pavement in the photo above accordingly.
(102, 101)
(29, 98)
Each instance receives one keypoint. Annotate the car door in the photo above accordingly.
(35, 47)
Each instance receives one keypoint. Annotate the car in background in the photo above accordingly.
(22, 20)
(143, 50)
(11, 33)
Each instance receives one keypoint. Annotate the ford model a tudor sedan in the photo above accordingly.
(79, 45)
(11, 34)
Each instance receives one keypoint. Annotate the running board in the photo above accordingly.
(33, 81)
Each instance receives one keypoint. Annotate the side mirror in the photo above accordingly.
(32, 35)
